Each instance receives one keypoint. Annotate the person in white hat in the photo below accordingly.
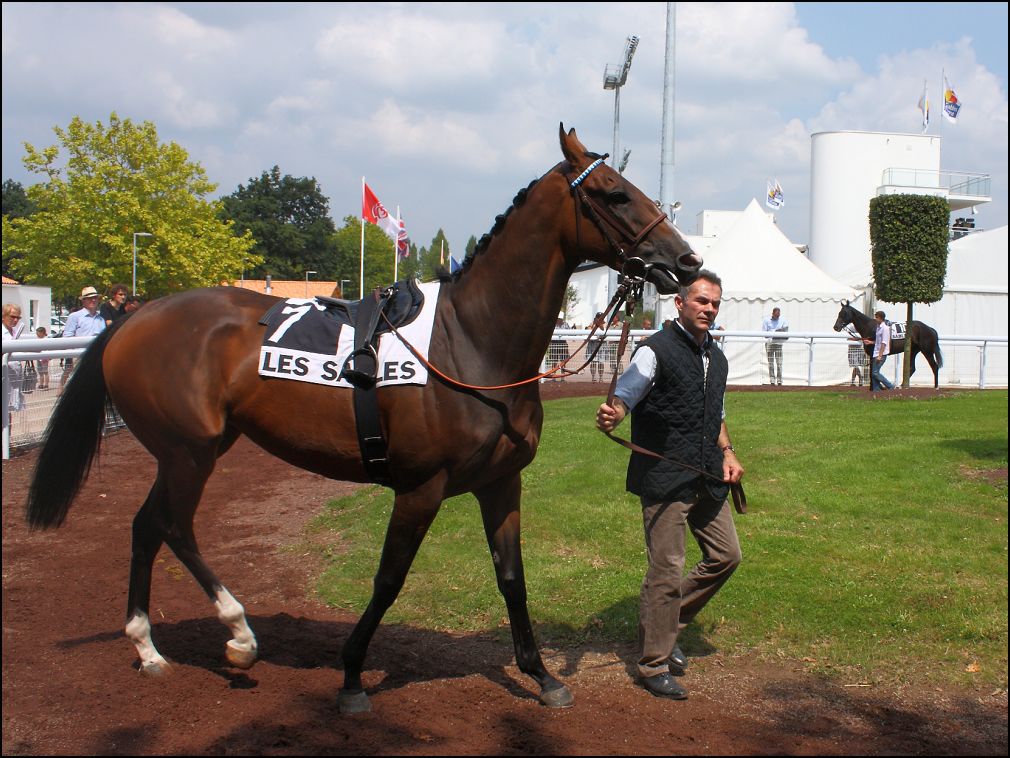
(83, 323)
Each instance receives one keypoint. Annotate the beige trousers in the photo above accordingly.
(670, 600)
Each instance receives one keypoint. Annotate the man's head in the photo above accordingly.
(880, 316)
(89, 299)
(11, 315)
(699, 304)
(776, 313)
(118, 293)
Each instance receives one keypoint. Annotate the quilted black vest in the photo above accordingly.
(679, 418)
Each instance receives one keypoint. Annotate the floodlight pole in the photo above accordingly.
(307, 282)
(135, 235)
(614, 77)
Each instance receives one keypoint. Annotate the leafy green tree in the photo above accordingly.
(15, 205)
(908, 234)
(116, 180)
(290, 220)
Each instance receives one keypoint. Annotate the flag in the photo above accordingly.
(924, 107)
(775, 199)
(374, 212)
(453, 266)
(402, 241)
(951, 105)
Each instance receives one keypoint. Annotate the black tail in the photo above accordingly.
(72, 439)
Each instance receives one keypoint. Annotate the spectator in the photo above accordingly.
(881, 349)
(115, 307)
(41, 333)
(594, 349)
(857, 358)
(13, 329)
(133, 302)
(773, 348)
(83, 323)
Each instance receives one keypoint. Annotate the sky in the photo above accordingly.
(447, 109)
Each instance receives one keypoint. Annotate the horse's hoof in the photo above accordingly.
(239, 657)
(155, 669)
(560, 697)
(353, 701)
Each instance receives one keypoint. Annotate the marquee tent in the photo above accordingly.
(761, 269)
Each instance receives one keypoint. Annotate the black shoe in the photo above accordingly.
(678, 662)
(664, 685)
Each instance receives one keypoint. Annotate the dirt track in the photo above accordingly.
(70, 685)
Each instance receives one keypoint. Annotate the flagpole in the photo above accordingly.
(361, 271)
(396, 246)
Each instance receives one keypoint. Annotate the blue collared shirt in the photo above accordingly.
(83, 324)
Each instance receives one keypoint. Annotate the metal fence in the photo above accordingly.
(810, 358)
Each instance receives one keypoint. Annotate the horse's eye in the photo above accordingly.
(618, 197)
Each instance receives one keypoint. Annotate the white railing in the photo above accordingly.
(811, 359)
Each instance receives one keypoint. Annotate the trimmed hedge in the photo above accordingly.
(909, 243)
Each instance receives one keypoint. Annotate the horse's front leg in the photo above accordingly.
(499, 507)
(413, 513)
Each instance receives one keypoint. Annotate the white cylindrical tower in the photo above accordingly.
(847, 170)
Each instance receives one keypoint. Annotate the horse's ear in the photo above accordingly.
(572, 149)
(844, 303)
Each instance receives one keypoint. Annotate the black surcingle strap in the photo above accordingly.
(360, 370)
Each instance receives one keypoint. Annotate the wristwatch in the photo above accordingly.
(729, 447)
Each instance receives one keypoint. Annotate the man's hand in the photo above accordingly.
(609, 416)
(732, 471)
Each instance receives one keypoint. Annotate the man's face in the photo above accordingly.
(699, 309)
(90, 303)
(776, 313)
(120, 297)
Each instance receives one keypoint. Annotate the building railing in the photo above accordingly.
(954, 182)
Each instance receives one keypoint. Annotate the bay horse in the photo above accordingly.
(182, 372)
(925, 340)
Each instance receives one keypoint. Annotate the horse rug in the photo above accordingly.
(308, 341)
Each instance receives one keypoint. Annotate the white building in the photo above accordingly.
(36, 303)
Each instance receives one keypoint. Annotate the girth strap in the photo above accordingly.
(360, 370)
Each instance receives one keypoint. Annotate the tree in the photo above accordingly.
(15, 205)
(117, 180)
(908, 234)
(570, 301)
(290, 220)
(435, 258)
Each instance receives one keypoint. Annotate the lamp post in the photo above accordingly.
(343, 292)
(614, 77)
(307, 282)
(135, 235)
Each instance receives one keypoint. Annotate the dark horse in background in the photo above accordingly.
(925, 340)
(182, 373)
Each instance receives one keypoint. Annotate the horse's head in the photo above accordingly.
(625, 224)
(844, 316)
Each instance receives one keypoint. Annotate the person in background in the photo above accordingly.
(881, 349)
(133, 302)
(773, 348)
(13, 329)
(85, 322)
(674, 390)
(115, 307)
(41, 333)
(857, 358)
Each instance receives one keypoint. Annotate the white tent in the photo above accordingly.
(974, 303)
(760, 270)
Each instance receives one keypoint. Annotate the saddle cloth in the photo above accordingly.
(897, 330)
(308, 341)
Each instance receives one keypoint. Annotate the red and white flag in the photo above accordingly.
(375, 213)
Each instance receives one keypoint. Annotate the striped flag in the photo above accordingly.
(924, 107)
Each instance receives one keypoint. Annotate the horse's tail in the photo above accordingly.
(936, 350)
(71, 441)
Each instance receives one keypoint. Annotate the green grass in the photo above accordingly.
(870, 550)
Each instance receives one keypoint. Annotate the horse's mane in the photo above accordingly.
(499, 224)
(485, 241)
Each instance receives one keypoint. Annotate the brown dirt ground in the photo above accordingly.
(70, 685)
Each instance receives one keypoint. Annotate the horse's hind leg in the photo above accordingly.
(499, 507)
(167, 516)
(412, 516)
